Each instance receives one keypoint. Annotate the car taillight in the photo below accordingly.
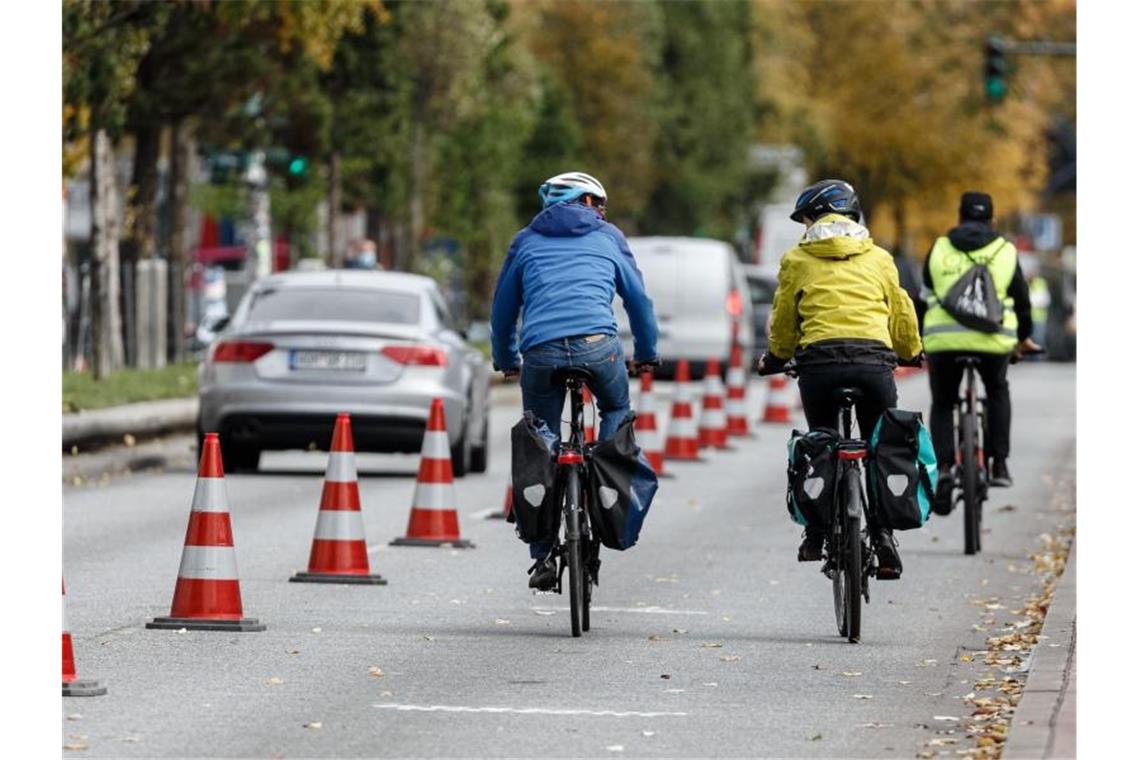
(733, 305)
(426, 356)
(241, 351)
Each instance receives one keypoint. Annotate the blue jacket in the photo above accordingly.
(562, 271)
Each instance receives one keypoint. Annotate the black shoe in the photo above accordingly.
(944, 493)
(999, 474)
(811, 550)
(886, 549)
(544, 574)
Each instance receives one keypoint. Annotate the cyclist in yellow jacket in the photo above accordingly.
(840, 312)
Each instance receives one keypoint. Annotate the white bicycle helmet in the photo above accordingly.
(570, 186)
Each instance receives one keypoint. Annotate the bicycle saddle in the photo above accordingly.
(565, 374)
(843, 394)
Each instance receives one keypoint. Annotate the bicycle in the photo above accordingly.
(971, 475)
(849, 560)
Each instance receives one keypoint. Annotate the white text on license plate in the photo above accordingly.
(348, 361)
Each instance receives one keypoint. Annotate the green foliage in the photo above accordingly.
(82, 391)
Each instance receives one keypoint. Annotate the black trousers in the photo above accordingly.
(817, 390)
(945, 379)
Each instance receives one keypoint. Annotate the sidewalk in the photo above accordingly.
(1045, 722)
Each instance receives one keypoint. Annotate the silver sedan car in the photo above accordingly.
(303, 346)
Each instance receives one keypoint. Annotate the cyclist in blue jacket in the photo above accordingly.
(561, 272)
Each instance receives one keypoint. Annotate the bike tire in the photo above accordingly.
(853, 559)
(574, 550)
(971, 506)
(838, 539)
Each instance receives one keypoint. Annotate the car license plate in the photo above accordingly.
(339, 361)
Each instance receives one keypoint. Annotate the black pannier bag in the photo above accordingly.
(620, 488)
(533, 502)
(973, 302)
(812, 471)
(902, 470)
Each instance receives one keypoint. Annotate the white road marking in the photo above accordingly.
(652, 610)
(532, 711)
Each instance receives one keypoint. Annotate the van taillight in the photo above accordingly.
(425, 356)
(241, 351)
(733, 305)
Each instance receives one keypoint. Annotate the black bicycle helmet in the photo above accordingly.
(828, 196)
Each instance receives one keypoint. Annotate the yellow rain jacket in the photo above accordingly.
(837, 284)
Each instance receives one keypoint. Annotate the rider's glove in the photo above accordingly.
(770, 363)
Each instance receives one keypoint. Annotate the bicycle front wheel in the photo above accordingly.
(971, 501)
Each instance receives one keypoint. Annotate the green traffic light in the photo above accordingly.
(995, 88)
(298, 165)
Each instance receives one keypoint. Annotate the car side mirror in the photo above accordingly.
(220, 323)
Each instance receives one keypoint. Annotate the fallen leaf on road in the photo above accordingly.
(710, 684)
(711, 645)
(131, 739)
(500, 621)
(648, 733)
(904, 683)
(1007, 508)
(292, 651)
(966, 658)
(679, 630)
(128, 439)
(385, 693)
(862, 696)
(816, 738)
(375, 671)
(545, 612)
(927, 663)
(817, 667)
(75, 716)
(615, 748)
(657, 637)
(666, 676)
(947, 717)
(876, 724)
(317, 630)
(275, 681)
(314, 724)
(674, 691)
(76, 746)
(730, 658)
(851, 673)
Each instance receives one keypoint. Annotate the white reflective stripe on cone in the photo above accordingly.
(433, 496)
(209, 495)
(736, 377)
(436, 445)
(341, 467)
(339, 525)
(734, 407)
(715, 418)
(209, 563)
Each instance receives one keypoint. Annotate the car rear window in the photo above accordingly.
(334, 304)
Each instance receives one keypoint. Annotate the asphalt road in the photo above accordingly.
(708, 638)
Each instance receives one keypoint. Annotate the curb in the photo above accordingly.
(147, 418)
(1044, 724)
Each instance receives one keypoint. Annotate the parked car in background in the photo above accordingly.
(761, 290)
(303, 346)
(699, 294)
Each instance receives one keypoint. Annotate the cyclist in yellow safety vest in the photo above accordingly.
(973, 241)
(840, 313)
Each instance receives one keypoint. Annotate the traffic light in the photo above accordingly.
(298, 166)
(996, 70)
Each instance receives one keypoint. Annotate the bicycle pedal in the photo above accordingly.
(887, 574)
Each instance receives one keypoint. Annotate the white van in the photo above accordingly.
(698, 290)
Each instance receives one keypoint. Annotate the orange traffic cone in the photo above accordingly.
(207, 596)
(589, 415)
(779, 406)
(713, 429)
(645, 428)
(434, 521)
(339, 553)
(736, 412)
(507, 503)
(72, 685)
(681, 441)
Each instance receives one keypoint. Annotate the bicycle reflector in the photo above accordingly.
(425, 356)
(241, 351)
(570, 457)
(848, 454)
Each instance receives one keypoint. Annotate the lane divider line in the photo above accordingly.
(531, 711)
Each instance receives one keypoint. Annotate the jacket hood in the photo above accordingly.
(970, 236)
(836, 237)
(566, 220)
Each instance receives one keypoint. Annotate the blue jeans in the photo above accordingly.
(603, 358)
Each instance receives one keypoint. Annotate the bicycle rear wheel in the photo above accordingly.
(853, 557)
(574, 550)
(971, 502)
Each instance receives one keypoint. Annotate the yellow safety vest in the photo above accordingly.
(940, 332)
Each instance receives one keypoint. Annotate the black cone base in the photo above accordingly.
(359, 580)
(81, 688)
(200, 624)
(461, 543)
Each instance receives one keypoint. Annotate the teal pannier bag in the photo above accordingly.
(902, 470)
(812, 467)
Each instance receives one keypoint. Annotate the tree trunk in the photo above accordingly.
(106, 317)
(416, 206)
(900, 227)
(182, 152)
(336, 246)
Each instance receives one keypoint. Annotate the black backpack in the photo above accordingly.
(973, 300)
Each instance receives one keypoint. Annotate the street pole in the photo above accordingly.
(258, 180)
